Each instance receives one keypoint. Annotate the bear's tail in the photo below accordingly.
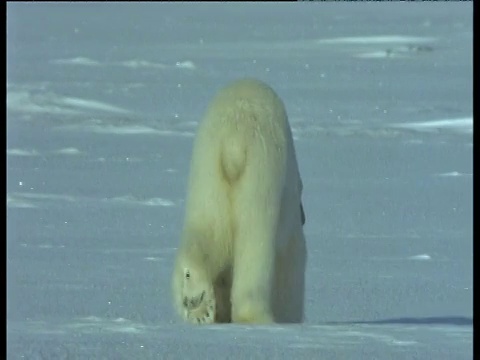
(233, 159)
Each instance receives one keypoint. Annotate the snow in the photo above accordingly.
(76, 61)
(22, 152)
(68, 151)
(421, 257)
(462, 125)
(102, 105)
(377, 40)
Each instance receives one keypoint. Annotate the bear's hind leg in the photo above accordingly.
(290, 282)
(253, 270)
(193, 288)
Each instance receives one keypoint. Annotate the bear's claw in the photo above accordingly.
(193, 302)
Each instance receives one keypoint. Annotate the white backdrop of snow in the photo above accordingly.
(102, 104)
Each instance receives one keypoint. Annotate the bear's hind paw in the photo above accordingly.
(198, 300)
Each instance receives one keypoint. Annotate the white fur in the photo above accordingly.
(242, 253)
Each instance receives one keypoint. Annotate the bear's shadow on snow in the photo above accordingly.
(440, 320)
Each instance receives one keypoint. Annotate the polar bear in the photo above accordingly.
(242, 252)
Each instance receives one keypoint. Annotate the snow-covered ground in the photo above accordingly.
(102, 104)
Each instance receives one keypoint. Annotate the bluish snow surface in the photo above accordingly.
(102, 105)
